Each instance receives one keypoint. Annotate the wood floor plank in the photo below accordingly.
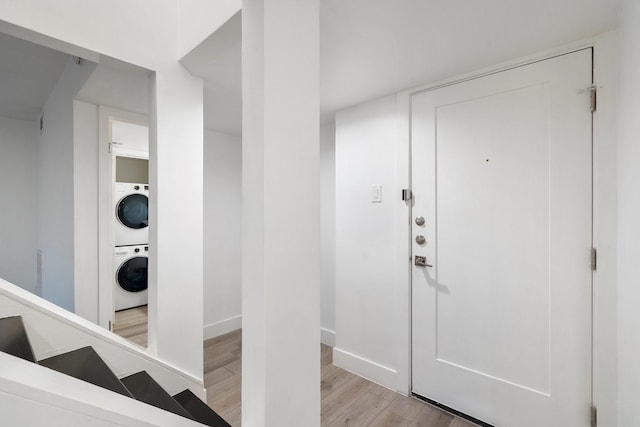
(389, 419)
(361, 412)
(407, 407)
(226, 403)
(235, 366)
(224, 397)
(234, 417)
(333, 405)
(217, 375)
(459, 422)
(383, 392)
(224, 387)
(430, 416)
(332, 378)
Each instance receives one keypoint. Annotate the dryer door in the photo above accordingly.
(133, 211)
(132, 274)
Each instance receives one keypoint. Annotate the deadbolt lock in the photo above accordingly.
(419, 221)
(420, 239)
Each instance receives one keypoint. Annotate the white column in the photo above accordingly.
(281, 214)
(176, 218)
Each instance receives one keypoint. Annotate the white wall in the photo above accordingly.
(18, 189)
(327, 233)
(199, 18)
(222, 232)
(85, 210)
(628, 215)
(56, 187)
(366, 239)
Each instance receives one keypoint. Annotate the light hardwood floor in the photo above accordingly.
(347, 399)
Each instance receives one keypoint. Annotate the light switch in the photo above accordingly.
(376, 193)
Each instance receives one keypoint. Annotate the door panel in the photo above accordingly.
(502, 174)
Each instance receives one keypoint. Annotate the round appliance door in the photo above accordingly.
(132, 274)
(133, 211)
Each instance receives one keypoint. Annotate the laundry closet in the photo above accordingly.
(130, 150)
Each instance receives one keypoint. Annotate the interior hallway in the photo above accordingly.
(347, 399)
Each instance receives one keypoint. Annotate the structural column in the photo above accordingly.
(280, 242)
(176, 218)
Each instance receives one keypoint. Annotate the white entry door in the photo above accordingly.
(501, 175)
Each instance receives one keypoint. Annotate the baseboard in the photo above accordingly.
(328, 337)
(372, 371)
(222, 327)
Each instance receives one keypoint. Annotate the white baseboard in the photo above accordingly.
(328, 337)
(222, 327)
(372, 371)
(212, 330)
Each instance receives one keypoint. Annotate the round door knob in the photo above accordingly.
(419, 220)
(420, 239)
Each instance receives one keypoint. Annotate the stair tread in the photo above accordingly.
(14, 340)
(199, 410)
(85, 364)
(147, 390)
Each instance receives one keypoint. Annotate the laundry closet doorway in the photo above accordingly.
(501, 244)
(123, 213)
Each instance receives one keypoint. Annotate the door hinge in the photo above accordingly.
(593, 96)
(406, 194)
(594, 416)
(592, 90)
(594, 259)
(111, 144)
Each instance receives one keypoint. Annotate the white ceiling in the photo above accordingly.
(372, 48)
(368, 49)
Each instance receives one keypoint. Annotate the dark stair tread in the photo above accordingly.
(14, 340)
(85, 364)
(147, 390)
(199, 410)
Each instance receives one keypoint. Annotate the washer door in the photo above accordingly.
(133, 211)
(132, 274)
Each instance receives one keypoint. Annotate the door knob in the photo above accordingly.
(421, 261)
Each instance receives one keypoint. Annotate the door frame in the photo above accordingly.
(604, 288)
(106, 240)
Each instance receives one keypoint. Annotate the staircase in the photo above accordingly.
(86, 364)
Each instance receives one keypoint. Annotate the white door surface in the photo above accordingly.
(501, 174)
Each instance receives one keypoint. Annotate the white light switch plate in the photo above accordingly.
(376, 194)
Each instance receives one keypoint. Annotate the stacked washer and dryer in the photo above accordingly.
(130, 148)
(132, 244)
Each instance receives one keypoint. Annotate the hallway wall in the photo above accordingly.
(366, 237)
(222, 228)
(18, 188)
